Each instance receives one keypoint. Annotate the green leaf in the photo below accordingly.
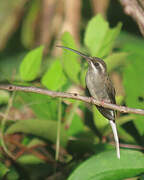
(9, 67)
(84, 70)
(4, 97)
(76, 126)
(3, 170)
(43, 106)
(114, 60)
(30, 65)
(99, 38)
(42, 128)
(12, 174)
(83, 143)
(54, 78)
(106, 166)
(99, 120)
(34, 142)
(109, 40)
(34, 167)
(29, 159)
(130, 43)
(123, 134)
(134, 85)
(69, 59)
(119, 99)
(95, 33)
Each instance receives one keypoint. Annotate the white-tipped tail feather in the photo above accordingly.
(114, 129)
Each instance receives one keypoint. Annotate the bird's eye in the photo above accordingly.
(96, 64)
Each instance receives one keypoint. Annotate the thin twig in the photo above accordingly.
(76, 96)
(3, 127)
(32, 150)
(130, 146)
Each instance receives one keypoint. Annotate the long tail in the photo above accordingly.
(114, 129)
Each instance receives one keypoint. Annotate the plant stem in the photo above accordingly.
(58, 129)
(3, 127)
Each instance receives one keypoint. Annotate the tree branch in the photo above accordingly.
(135, 8)
(76, 96)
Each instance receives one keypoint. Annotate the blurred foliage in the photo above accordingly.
(9, 18)
(32, 123)
(29, 25)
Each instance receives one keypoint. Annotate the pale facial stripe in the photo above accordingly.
(95, 69)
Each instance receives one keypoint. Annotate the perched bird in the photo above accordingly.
(100, 88)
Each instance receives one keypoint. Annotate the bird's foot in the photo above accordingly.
(102, 102)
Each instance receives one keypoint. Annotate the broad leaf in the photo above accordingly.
(76, 126)
(3, 170)
(41, 128)
(114, 60)
(13, 174)
(130, 43)
(84, 70)
(106, 166)
(29, 159)
(9, 67)
(30, 65)
(99, 38)
(99, 120)
(54, 78)
(43, 106)
(109, 40)
(34, 167)
(134, 85)
(125, 136)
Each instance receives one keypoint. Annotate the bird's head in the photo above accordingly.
(95, 63)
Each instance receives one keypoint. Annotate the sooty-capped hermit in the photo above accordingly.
(100, 88)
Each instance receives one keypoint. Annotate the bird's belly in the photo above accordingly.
(96, 87)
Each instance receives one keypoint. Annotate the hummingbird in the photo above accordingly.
(100, 88)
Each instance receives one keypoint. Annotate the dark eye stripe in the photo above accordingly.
(96, 64)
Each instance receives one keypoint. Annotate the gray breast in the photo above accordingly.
(96, 86)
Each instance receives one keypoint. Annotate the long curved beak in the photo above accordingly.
(77, 52)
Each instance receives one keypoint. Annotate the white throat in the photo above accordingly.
(95, 69)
